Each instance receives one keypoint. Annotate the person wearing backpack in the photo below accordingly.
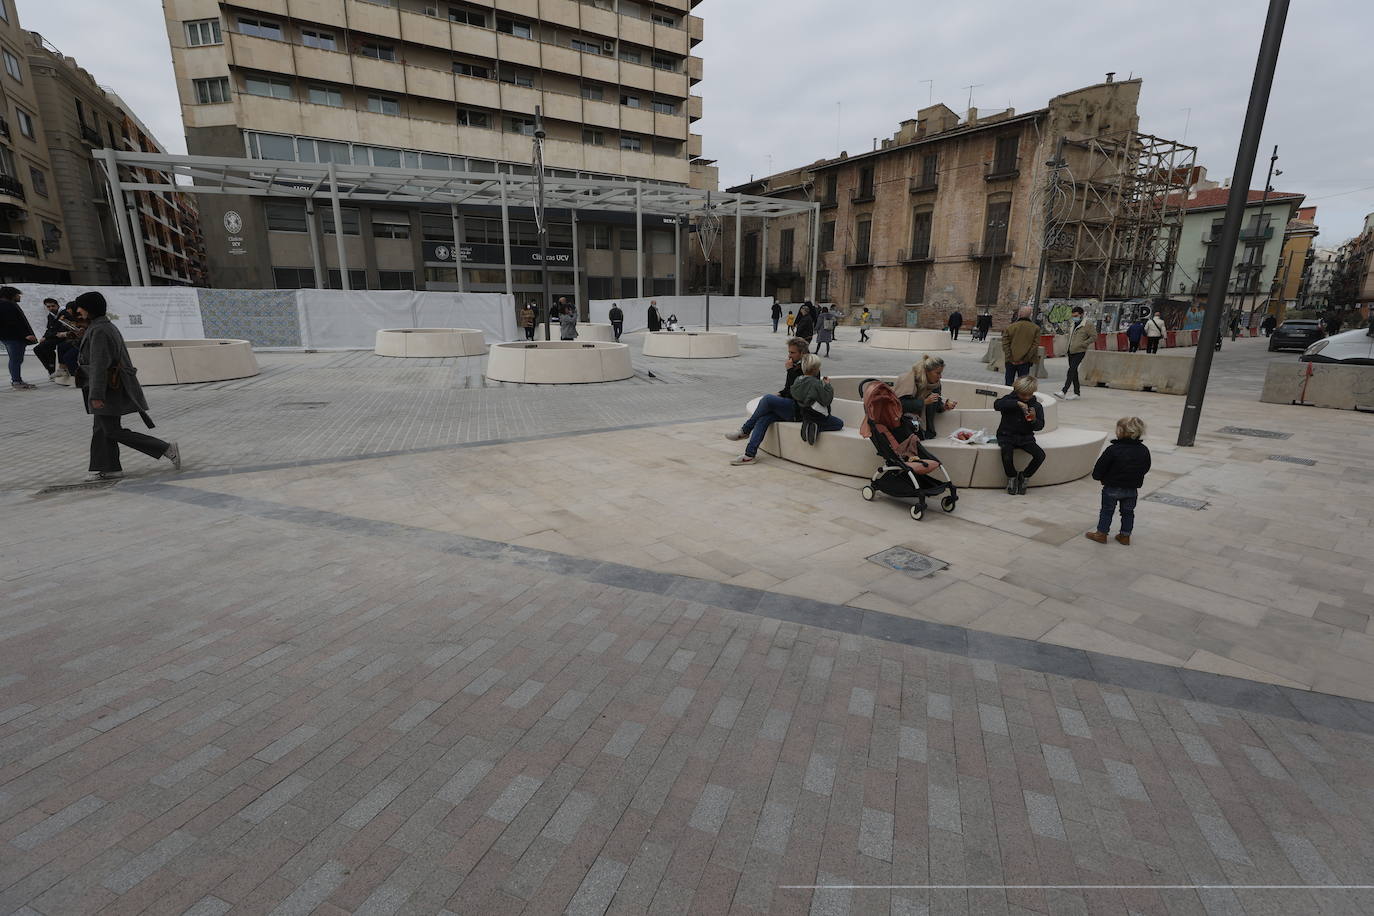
(825, 330)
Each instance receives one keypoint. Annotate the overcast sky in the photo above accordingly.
(775, 70)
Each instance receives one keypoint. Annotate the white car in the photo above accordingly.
(1350, 347)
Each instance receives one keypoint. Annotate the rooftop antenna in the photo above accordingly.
(970, 92)
(839, 107)
(930, 91)
(1188, 119)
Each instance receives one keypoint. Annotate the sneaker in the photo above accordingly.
(1098, 536)
(1120, 539)
(22, 386)
(1062, 395)
(104, 475)
(1011, 486)
(737, 435)
(1071, 397)
(744, 459)
(1020, 485)
(173, 454)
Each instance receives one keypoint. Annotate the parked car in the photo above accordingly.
(1355, 348)
(1296, 334)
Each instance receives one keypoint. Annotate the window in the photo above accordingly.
(293, 278)
(357, 279)
(514, 27)
(469, 118)
(1004, 158)
(323, 95)
(665, 62)
(203, 32)
(929, 170)
(467, 16)
(516, 77)
(395, 279)
(627, 240)
(272, 88)
(749, 253)
(633, 144)
(441, 275)
(391, 226)
(921, 221)
(285, 217)
(629, 287)
(25, 122)
(587, 47)
(664, 19)
(39, 179)
(630, 101)
(593, 93)
(351, 223)
(600, 287)
(866, 181)
(377, 52)
(863, 232)
(477, 71)
(665, 106)
(598, 238)
(383, 104)
(212, 91)
(630, 55)
(260, 28)
(989, 281)
(276, 146)
(314, 38)
(995, 228)
(858, 286)
(12, 67)
(667, 147)
(4, 11)
(436, 227)
(916, 283)
(828, 235)
(7, 166)
(520, 126)
(822, 285)
(593, 137)
(787, 240)
(831, 188)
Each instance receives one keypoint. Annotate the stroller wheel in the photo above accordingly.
(867, 493)
(918, 513)
(948, 503)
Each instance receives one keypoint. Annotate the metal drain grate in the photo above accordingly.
(77, 487)
(908, 561)
(1182, 502)
(302, 405)
(1257, 433)
(1289, 459)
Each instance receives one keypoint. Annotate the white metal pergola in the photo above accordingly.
(338, 183)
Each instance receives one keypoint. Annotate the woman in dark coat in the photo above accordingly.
(655, 322)
(110, 385)
(805, 327)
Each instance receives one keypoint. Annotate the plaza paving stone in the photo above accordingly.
(442, 647)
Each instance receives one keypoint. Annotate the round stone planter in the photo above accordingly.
(430, 342)
(559, 362)
(181, 362)
(691, 344)
(586, 331)
(909, 339)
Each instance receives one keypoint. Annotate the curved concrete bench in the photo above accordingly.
(587, 331)
(1069, 453)
(430, 342)
(559, 362)
(183, 362)
(910, 339)
(691, 344)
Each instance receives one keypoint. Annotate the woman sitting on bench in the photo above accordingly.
(919, 392)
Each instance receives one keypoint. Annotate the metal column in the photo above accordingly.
(505, 244)
(763, 261)
(677, 255)
(117, 205)
(145, 277)
(639, 239)
(815, 249)
(739, 240)
(316, 259)
(338, 227)
(457, 243)
(578, 298)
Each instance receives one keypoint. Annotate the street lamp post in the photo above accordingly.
(1259, 225)
(541, 220)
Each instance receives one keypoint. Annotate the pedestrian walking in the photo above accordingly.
(1154, 332)
(865, 320)
(1135, 331)
(956, 321)
(777, 316)
(825, 331)
(1082, 338)
(1268, 324)
(16, 334)
(110, 388)
(806, 322)
(528, 316)
(1121, 469)
(1333, 324)
(1020, 342)
(655, 320)
(617, 319)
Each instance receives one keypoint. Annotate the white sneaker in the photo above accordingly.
(1070, 396)
(173, 454)
(104, 475)
(1060, 395)
(737, 435)
(744, 459)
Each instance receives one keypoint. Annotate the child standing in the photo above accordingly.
(1121, 469)
(1022, 416)
(791, 322)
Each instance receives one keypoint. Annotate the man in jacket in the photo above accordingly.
(617, 319)
(1020, 343)
(55, 331)
(1082, 338)
(806, 322)
(772, 407)
(777, 315)
(527, 320)
(956, 321)
(15, 333)
(1154, 331)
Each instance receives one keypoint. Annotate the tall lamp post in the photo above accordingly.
(540, 220)
(1259, 226)
(708, 230)
(1235, 212)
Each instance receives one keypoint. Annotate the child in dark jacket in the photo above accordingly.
(1121, 469)
(1022, 416)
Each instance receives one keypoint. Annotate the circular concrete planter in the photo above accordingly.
(691, 344)
(181, 362)
(559, 362)
(909, 339)
(586, 331)
(430, 342)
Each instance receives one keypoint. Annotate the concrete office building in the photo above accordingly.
(448, 86)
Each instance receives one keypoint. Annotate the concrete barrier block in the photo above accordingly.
(910, 339)
(1319, 385)
(1140, 371)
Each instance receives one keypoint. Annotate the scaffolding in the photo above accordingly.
(1114, 214)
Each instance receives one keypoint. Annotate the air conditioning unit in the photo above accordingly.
(608, 46)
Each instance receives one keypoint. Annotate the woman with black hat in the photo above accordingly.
(110, 385)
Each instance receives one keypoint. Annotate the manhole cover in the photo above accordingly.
(77, 487)
(302, 405)
(1183, 502)
(908, 561)
(1257, 433)
(1308, 462)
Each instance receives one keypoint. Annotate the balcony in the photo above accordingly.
(1254, 233)
(989, 250)
(91, 136)
(4, 129)
(918, 254)
(861, 195)
(923, 183)
(1002, 169)
(12, 188)
(861, 258)
(20, 245)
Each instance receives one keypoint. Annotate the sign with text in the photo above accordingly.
(520, 255)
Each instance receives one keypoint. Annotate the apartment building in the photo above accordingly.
(450, 86)
(33, 243)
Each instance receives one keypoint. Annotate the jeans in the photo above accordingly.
(775, 325)
(107, 435)
(1072, 378)
(771, 408)
(529, 333)
(16, 350)
(1030, 448)
(618, 327)
(863, 334)
(1152, 344)
(1111, 498)
(1016, 370)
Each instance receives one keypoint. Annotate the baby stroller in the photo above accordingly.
(895, 477)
